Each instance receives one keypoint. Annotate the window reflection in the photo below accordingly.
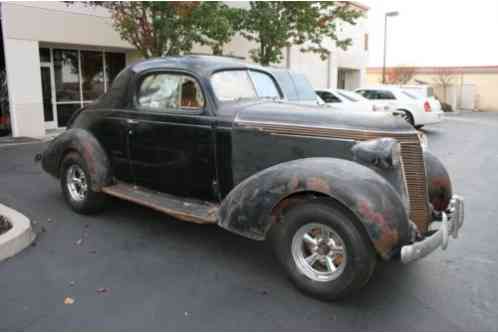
(66, 72)
(114, 62)
(92, 74)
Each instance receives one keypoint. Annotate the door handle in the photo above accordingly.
(131, 121)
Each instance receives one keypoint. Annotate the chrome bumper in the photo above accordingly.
(450, 223)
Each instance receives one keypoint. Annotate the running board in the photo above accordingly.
(185, 209)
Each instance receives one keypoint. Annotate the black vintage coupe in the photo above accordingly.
(210, 140)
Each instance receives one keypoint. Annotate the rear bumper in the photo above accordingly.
(431, 118)
(451, 222)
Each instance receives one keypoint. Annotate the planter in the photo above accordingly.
(15, 232)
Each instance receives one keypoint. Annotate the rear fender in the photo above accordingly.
(247, 209)
(84, 143)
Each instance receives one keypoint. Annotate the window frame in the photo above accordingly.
(171, 111)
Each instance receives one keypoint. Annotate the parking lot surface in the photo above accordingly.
(130, 268)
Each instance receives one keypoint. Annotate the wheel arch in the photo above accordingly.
(88, 147)
(411, 113)
(252, 207)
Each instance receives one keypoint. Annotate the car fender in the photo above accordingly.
(439, 182)
(247, 209)
(83, 142)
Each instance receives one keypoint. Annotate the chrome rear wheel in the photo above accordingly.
(76, 183)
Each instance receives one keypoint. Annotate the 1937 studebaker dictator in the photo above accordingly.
(210, 140)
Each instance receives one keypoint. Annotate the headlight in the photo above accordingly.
(383, 153)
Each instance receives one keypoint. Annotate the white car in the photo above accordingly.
(417, 110)
(345, 100)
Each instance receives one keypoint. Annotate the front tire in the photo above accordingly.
(323, 251)
(76, 185)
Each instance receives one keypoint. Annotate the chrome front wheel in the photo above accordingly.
(319, 252)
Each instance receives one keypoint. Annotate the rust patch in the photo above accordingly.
(382, 235)
(318, 184)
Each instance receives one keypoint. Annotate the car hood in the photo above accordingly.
(275, 112)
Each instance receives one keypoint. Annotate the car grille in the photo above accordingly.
(411, 155)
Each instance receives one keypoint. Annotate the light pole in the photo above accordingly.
(388, 14)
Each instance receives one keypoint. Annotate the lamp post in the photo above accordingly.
(388, 14)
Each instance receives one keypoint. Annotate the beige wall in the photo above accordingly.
(485, 86)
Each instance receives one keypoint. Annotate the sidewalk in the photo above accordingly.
(23, 140)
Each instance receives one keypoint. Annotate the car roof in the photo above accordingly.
(389, 88)
(200, 64)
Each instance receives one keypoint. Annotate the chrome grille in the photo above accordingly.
(411, 154)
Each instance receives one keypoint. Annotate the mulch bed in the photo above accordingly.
(4, 224)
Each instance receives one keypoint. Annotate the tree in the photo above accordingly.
(218, 24)
(445, 77)
(159, 28)
(274, 25)
(400, 74)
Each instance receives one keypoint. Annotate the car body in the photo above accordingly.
(296, 87)
(345, 100)
(211, 140)
(417, 110)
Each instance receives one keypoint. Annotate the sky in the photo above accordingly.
(434, 33)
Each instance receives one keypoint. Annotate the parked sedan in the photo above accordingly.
(418, 111)
(345, 100)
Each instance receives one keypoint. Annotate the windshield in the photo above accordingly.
(409, 95)
(233, 85)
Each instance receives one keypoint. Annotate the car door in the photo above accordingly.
(172, 146)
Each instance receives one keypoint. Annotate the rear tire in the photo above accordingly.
(325, 269)
(408, 117)
(76, 185)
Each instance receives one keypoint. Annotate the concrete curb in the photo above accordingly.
(18, 237)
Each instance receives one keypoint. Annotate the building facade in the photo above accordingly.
(60, 57)
(471, 88)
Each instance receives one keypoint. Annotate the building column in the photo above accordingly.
(22, 62)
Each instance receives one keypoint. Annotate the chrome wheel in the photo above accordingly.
(76, 183)
(319, 252)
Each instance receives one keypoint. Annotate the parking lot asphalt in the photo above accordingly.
(130, 268)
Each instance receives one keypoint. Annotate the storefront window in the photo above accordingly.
(79, 78)
(66, 75)
(92, 72)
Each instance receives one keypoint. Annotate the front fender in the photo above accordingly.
(439, 182)
(247, 209)
(83, 142)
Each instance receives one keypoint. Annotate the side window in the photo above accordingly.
(164, 91)
(384, 94)
(328, 97)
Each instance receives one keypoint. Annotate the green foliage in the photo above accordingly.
(275, 25)
(172, 28)
(158, 28)
(218, 23)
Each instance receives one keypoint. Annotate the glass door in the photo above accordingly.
(47, 96)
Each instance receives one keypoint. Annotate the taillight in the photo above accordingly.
(427, 107)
